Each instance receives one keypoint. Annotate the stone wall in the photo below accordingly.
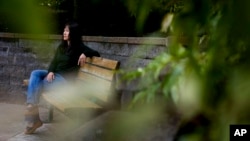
(20, 54)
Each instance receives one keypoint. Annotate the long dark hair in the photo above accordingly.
(75, 36)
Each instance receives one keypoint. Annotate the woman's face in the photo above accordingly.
(66, 33)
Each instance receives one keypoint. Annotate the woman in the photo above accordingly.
(70, 54)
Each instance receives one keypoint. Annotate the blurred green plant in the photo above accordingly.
(141, 9)
(206, 77)
(27, 16)
(55, 4)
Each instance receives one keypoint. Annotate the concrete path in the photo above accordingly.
(62, 128)
(11, 120)
(12, 125)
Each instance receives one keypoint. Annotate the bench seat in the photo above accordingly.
(93, 87)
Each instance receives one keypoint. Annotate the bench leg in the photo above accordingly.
(50, 114)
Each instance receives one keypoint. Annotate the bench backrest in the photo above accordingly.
(98, 73)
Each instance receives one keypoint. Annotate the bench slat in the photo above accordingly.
(97, 90)
(104, 62)
(63, 102)
(97, 71)
(85, 77)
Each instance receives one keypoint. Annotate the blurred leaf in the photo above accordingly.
(27, 16)
(208, 75)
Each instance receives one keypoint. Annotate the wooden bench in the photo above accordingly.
(93, 87)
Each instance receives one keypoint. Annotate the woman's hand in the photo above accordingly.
(82, 59)
(50, 77)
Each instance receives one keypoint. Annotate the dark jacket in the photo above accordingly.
(65, 61)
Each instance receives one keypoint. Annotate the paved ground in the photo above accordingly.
(12, 125)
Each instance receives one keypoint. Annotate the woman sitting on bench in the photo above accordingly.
(70, 54)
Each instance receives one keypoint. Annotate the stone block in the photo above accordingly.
(95, 45)
(4, 87)
(4, 78)
(16, 80)
(4, 50)
(14, 69)
(15, 50)
(4, 60)
(138, 51)
(154, 51)
(120, 49)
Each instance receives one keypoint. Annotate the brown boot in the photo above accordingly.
(31, 129)
(33, 119)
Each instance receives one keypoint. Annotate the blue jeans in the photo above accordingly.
(38, 83)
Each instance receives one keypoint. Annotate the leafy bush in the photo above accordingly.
(207, 77)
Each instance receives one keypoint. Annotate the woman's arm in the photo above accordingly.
(86, 52)
(50, 76)
(82, 59)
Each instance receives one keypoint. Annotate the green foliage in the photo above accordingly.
(55, 4)
(208, 76)
(26, 16)
(142, 8)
